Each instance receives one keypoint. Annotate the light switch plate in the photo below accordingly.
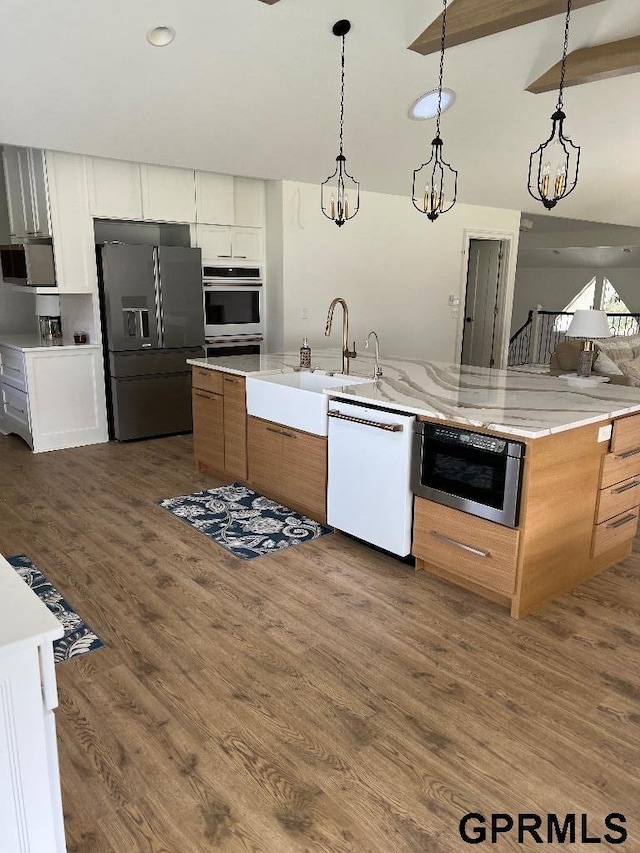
(604, 433)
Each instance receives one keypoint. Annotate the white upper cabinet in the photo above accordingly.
(223, 242)
(248, 202)
(114, 188)
(27, 192)
(71, 223)
(168, 194)
(214, 199)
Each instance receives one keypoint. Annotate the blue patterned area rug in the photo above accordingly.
(78, 637)
(244, 522)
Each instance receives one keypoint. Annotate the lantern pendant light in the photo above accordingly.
(553, 167)
(340, 193)
(435, 183)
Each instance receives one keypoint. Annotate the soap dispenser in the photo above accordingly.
(305, 355)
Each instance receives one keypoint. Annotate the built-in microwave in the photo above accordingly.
(28, 264)
(470, 471)
(233, 301)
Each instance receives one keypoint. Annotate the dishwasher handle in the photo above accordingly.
(334, 413)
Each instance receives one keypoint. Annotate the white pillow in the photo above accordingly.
(605, 365)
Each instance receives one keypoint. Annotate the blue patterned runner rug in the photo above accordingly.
(244, 522)
(78, 637)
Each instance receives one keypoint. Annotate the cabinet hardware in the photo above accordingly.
(224, 256)
(8, 367)
(206, 394)
(626, 488)
(244, 257)
(455, 542)
(271, 429)
(334, 413)
(234, 381)
(287, 434)
(622, 521)
(629, 453)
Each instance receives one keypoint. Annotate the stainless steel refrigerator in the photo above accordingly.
(152, 321)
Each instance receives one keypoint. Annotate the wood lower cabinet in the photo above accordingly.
(208, 429)
(289, 466)
(235, 426)
(473, 549)
(219, 422)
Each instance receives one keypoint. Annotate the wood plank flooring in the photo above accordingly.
(326, 698)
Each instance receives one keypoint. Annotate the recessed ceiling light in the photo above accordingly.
(161, 36)
(627, 250)
(426, 106)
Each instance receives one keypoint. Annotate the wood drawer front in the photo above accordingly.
(12, 368)
(304, 470)
(15, 405)
(618, 498)
(476, 549)
(264, 451)
(620, 466)
(625, 434)
(207, 380)
(613, 532)
(208, 429)
(235, 426)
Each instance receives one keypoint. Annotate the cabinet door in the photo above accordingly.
(247, 244)
(39, 192)
(248, 202)
(214, 199)
(235, 427)
(214, 241)
(304, 472)
(208, 429)
(71, 223)
(168, 195)
(30, 221)
(264, 451)
(114, 188)
(13, 181)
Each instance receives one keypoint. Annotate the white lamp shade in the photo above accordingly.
(47, 305)
(589, 324)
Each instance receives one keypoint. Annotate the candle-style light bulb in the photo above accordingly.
(332, 206)
(545, 180)
(561, 179)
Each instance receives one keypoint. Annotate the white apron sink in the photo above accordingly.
(295, 399)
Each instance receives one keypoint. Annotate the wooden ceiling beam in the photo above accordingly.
(613, 59)
(468, 20)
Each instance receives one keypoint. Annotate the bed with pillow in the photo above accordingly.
(617, 357)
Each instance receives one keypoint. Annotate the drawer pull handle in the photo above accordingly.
(629, 453)
(455, 542)
(280, 432)
(626, 488)
(334, 413)
(271, 429)
(205, 394)
(12, 369)
(622, 521)
(233, 381)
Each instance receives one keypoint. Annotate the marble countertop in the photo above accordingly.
(25, 619)
(513, 402)
(28, 342)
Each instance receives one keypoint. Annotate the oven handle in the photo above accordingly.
(448, 540)
(334, 413)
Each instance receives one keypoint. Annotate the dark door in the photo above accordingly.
(129, 292)
(181, 299)
(481, 308)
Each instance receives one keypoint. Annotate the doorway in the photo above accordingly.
(481, 335)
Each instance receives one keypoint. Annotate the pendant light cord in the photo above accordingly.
(444, 29)
(564, 56)
(342, 97)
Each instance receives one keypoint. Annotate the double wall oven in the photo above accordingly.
(233, 309)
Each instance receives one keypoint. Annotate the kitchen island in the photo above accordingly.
(581, 476)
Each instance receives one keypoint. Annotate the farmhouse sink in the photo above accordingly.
(295, 399)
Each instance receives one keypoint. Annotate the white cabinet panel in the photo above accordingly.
(247, 244)
(71, 223)
(27, 192)
(168, 194)
(248, 202)
(214, 199)
(214, 241)
(114, 188)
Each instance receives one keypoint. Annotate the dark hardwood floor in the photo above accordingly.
(326, 698)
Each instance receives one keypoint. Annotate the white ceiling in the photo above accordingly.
(252, 89)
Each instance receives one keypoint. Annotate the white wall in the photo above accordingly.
(394, 267)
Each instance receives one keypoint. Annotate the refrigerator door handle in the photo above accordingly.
(158, 289)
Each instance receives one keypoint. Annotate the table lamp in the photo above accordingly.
(589, 325)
